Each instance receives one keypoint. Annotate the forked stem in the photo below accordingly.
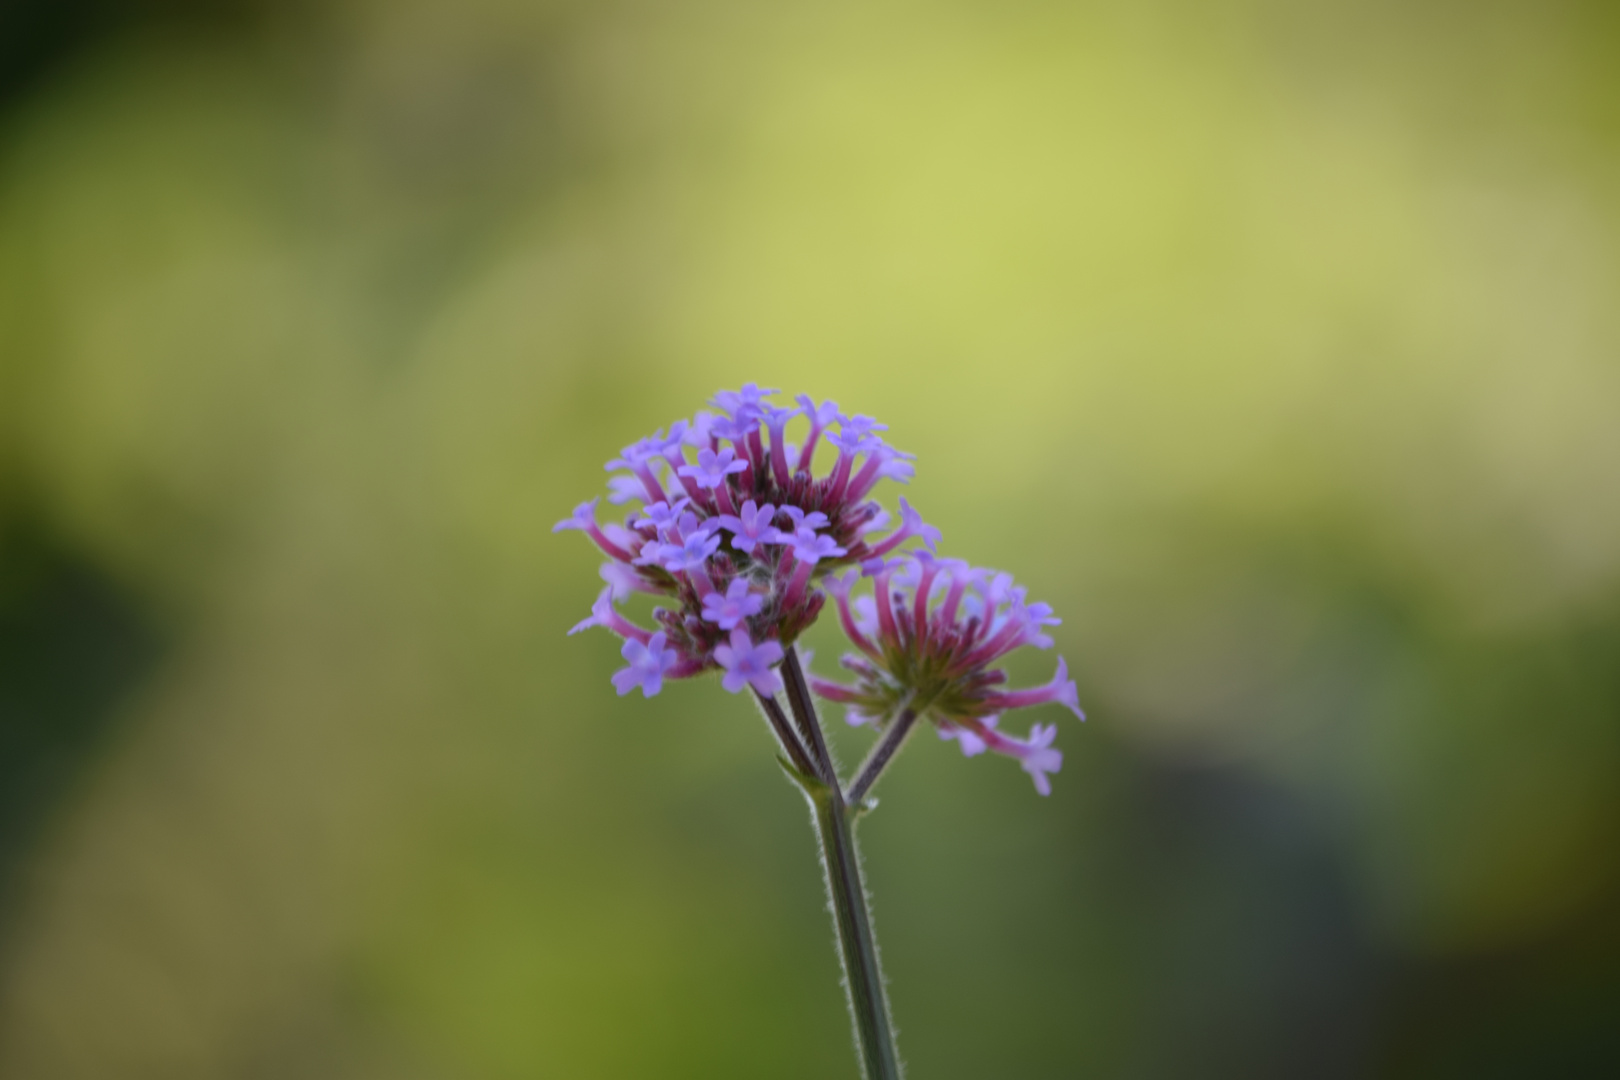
(841, 862)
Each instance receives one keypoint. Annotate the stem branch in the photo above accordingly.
(791, 746)
(841, 861)
(804, 711)
(881, 755)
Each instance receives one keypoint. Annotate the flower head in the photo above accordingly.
(929, 640)
(734, 529)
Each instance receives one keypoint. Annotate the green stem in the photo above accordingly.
(879, 758)
(841, 861)
(804, 711)
(863, 976)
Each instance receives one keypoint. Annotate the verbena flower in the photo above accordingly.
(929, 637)
(738, 603)
(747, 664)
(734, 534)
(735, 530)
(648, 665)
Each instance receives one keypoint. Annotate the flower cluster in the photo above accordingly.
(737, 530)
(929, 636)
(735, 527)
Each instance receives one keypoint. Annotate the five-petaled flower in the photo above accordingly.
(751, 526)
(648, 663)
(747, 664)
(712, 469)
(737, 604)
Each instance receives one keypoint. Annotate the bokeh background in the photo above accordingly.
(1277, 345)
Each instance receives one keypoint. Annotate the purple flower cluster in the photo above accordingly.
(929, 635)
(736, 529)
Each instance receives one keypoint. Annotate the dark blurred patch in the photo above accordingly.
(72, 645)
(1259, 964)
(1546, 1006)
(39, 36)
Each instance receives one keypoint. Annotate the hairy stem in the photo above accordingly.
(785, 735)
(841, 861)
(863, 976)
(804, 712)
(881, 755)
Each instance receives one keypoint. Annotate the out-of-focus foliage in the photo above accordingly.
(1274, 344)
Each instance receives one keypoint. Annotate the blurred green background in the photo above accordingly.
(1277, 345)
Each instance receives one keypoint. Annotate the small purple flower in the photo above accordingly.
(750, 526)
(801, 520)
(884, 462)
(879, 519)
(820, 416)
(584, 519)
(604, 614)
(852, 441)
(862, 425)
(664, 446)
(776, 421)
(1039, 756)
(1035, 755)
(970, 741)
(775, 418)
(811, 547)
(651, 554)
(866, 616)
(662, 515)
(897, 466)
(623, 580)
(911, 524)
(734, 430)
(640, 458)
(648, 663)
(712, 469)
(747, 664)
(621, 489)
(638, 453)
(750, 399)
(690, 554)
(698, 433)
(737, 604)
(1060, 691)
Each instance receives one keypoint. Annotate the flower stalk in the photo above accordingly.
(841, 864)
(879, 758)
(744, 545)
